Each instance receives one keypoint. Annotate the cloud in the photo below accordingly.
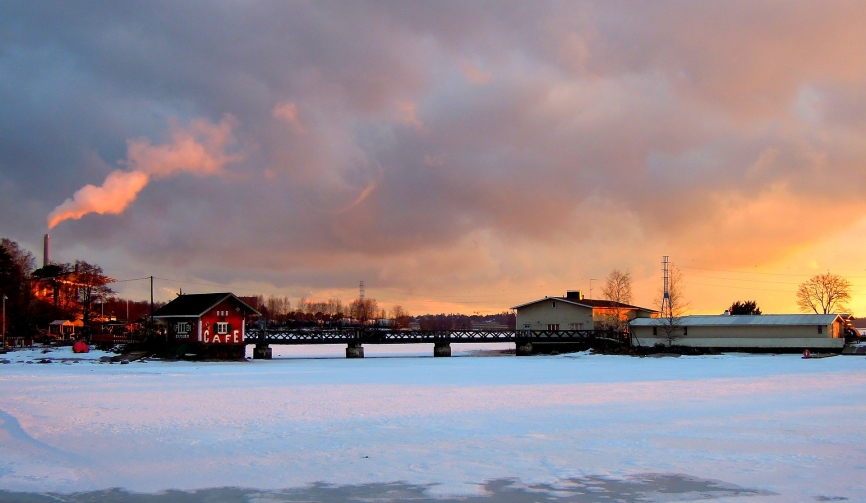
(517, 145)
(289, 112)
(197, 149)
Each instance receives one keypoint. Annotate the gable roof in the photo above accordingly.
(588, 303)
(742, 320)
(197, 304)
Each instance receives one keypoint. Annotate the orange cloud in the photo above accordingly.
(288, 111)
(198, 149)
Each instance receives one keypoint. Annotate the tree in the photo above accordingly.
(16, 266)
(672, 308)
(363, 310)
(824, 294)
(399, 316)
(92, 283)
(746, 307)
(617, 288)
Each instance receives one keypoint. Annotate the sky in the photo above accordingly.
(455, 156)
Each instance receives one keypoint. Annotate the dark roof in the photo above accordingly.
(590, 303)
(197, 304)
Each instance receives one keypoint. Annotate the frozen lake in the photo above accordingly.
(312, 426)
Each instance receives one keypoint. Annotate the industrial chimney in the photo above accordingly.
(46, 251)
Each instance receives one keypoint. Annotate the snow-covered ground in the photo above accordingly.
(784, 428)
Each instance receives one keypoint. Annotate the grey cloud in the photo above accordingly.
(654, 109)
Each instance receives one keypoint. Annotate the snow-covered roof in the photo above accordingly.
(743, 320)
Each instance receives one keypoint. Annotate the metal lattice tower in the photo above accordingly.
(362, 292)
(666, 297)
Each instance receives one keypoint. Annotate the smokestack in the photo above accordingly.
(46, 251)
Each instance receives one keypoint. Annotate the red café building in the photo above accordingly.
(214, 322)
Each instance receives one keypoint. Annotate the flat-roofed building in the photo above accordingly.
(765, 331)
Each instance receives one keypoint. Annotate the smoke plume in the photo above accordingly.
(199, 149)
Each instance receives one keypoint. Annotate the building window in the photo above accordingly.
(222, 328)
(553, 326)
(182, 328)
(527, 326)
(554, 303)
(685, 330)
(820, 329)
(655, 330)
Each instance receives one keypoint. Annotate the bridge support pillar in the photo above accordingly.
(354, 350)
(442, 349)
(523, 348)
(262, 352)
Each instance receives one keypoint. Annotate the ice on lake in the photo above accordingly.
(730, 428)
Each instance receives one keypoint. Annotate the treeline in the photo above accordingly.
(59, 291)
(281, 311)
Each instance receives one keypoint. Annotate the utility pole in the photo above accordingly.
(4, 322)
(590, 286)
(151, 301)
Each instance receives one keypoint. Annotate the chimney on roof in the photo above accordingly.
(727, 313)
(574, 295)
(46, 250)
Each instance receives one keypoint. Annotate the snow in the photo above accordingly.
(786, 427)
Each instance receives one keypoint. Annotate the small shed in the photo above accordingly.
(764, 331)
(206, 318)
(65, 328)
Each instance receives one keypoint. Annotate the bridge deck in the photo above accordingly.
(389, 336)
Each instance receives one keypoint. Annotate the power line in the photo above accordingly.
(757, 272)
(739, 287)
(187, 282)
(131, 279)
(741, 279)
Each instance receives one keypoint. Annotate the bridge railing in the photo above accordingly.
(393, 336)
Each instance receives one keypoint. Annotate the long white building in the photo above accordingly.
(765, 331)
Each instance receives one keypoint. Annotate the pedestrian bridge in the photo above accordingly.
(355, 338)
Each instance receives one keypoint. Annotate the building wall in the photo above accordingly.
(554, 312)
(183, 329)
(225, 312)
(747, 336)
(602, 315)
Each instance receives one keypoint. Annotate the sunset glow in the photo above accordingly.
(457, 157)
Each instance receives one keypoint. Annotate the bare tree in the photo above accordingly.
(92, 283)
(363, 310)
(617, 288)
(824, 294)
(399, 316)
(672, 308)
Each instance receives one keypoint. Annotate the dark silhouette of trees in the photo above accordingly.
(16, 265)
(744, 307)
